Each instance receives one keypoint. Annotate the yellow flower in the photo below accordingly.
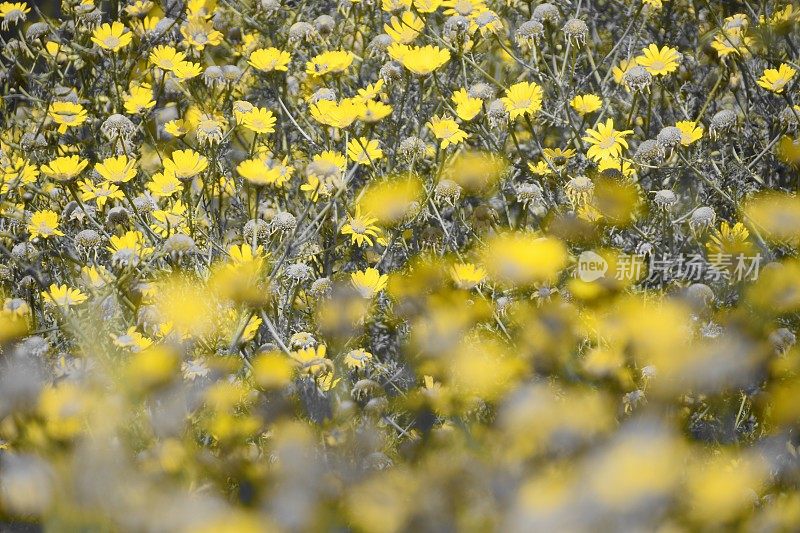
(63, 296)
(774, 80)
(269, 60)
(619, 71)
(139, 99)
(44, 224)
(690, 131)
(523, 258)
(67, 115)
(447, 131)
(100, 192)
(16, 173)
(186, 70)
(419, 60)
(166, 57)
(130, 245)
(731, 42)
(330, 62)
(659, 61)
(170, 221)
(185, 164)
(131, 340)
(338, 114)
(164, 184)
(199, 33)
(374, 111)
(312, 360)
(362, 229)
(405, 29)
(730, 240)
(259, 120)
(13, 12)
(625, 168)
(467, 107)
(117, 169)
(368, 282)
(363, 151)
(372, 91)
(464, 8)
(177, 127)
(357, 359)
(605, 141)
(113, 37)
(523, 98)
(586, 103)
(64, 168)
(258, 172)
(467, 275)
(427, 6)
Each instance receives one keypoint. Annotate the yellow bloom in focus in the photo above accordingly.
(467, 275)
(113, 37)
(131, 246)
(118, 169)
(774, 80)
(605, 141)
(176, 127)
(464, 8)
(419, 60)
(199, 33)
(337, 115)
(690, 131)
(363, 151)
(44, 224)
(139, 99)
(185, 164)
(659, 62)
(362, 229)
(586, 103)
(171, 220)
(269, 60)
(100, 192)
(259, 120)
(368, 282)
(467, 107)
(164, 184)
(67, 115)
(404, 29)
(731, 240)
(65, 168)
(63, 296)
(330, 62)
(166, 57)
(522, 259)
(447, 131)
(186, 70)
(374, 111)
(523, 98)
(312, 360)
(357, 359)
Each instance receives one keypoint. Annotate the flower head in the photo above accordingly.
(112, 37)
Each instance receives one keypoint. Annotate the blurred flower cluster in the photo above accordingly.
(384, 265)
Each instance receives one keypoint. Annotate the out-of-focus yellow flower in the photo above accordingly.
(467, 107)
(521, 259)
(368, 282)
(586, 103)
(419, 60)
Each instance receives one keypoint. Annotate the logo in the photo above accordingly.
(591, 266)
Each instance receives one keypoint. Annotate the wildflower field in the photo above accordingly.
(399, 265)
